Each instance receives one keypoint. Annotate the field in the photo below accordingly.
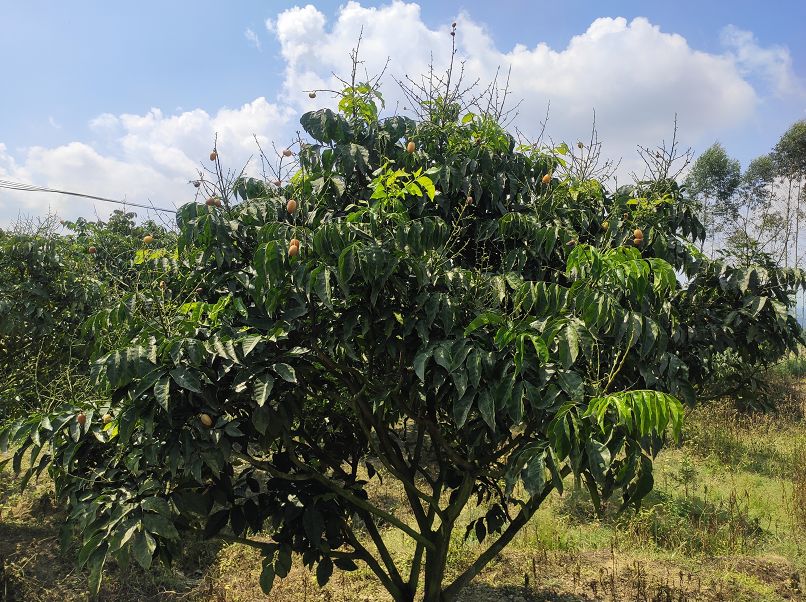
(726, 521)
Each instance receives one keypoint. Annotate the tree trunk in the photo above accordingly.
(434, 574)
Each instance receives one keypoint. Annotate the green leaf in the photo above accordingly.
(285, 372)
(267, 577)
(323, 571)
(486, 405)
(187, 379)
(142, 548)
(262, 388)
(162, 391)
(598, 460)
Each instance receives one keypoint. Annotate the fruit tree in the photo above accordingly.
(426, 301)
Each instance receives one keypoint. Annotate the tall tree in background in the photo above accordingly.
(789, 156)
(713, 180)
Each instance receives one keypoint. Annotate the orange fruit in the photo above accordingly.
(410, 147)
(638, 234)
(92, 250)
(81, 418)
(206, 420)
(637, 241)
(291, 206)
(293, 250)
(546, 179)
(213, 156)
(148, 239)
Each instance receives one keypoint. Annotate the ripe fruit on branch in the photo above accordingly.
(163, 284)
(81, 418)
(291, 206)
(469, 200)
(213, 155)
(605, 226)
(287, 152)
(206, 420)
(107, 418)
(148, 239)
(92, 250)
(214, 201)
(410, 147)
(294, 242)
(293, 250)
(638, 234)
(546, 179)
(637, 241)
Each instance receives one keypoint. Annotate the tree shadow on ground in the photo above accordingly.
(487, 593)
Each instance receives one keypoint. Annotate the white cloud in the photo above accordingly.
(145, 158)
(634, 75)
(773, 64)
(252, 37)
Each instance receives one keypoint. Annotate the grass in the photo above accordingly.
(726, 521)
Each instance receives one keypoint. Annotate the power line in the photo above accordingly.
(31, 188)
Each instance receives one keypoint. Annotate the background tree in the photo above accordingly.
(713, 180)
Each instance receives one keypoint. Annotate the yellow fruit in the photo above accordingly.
(638, 234)
(287, 152)
(107, 418)
(92, 250)
(148, 239)
(213, 156)
(294, 242)
(162, 284)
(293, 250)
(605, 225)
(410, 147)
(291, 206)
(637, 241)
(546, 179)
(206, 420)
(81, 418)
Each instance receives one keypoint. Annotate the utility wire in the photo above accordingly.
(31, 188)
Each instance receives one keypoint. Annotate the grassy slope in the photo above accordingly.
(727, 521)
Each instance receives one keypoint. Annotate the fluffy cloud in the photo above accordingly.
(142, 158)
(634, 75)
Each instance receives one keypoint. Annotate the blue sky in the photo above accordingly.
(82, 78)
